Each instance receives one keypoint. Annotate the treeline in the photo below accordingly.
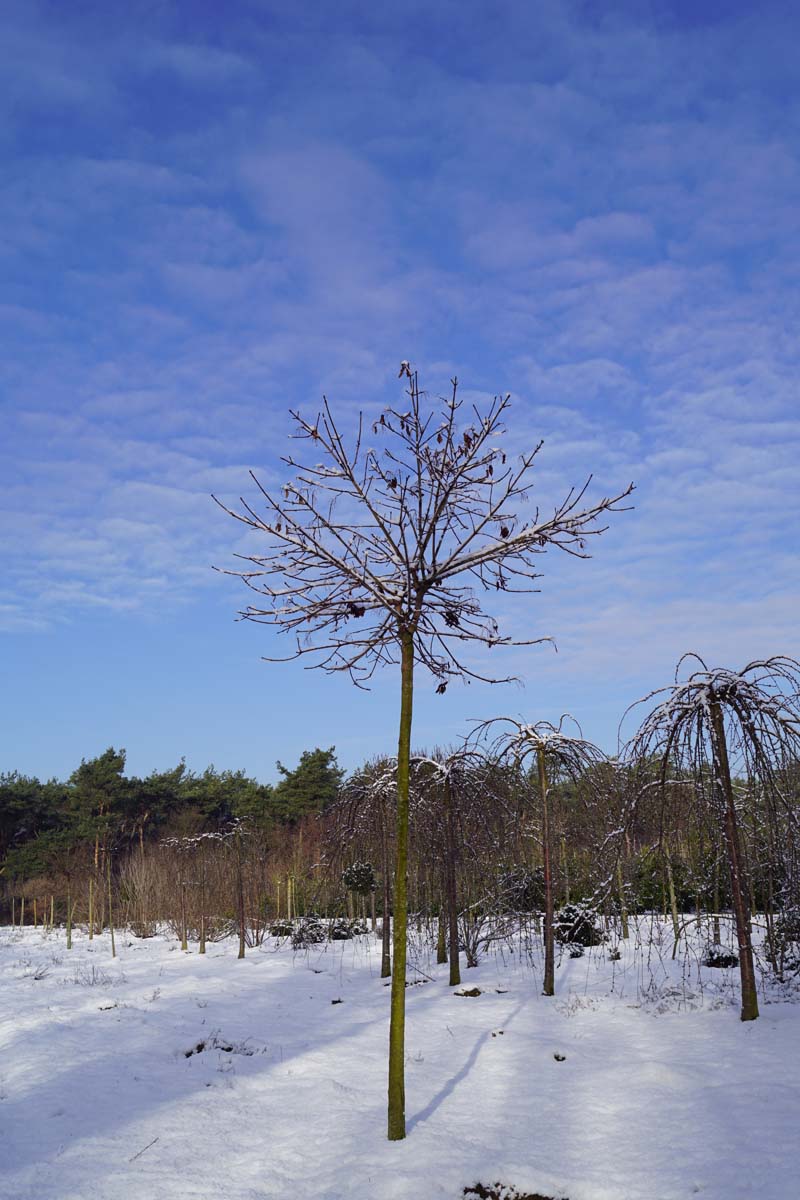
(48, 828)
(616, 838)
(493, 843)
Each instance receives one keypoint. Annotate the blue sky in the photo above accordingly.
(212, 213)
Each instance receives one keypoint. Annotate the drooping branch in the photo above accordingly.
(716, 724)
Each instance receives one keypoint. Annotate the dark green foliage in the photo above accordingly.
(695, 882)
(43, 826)
(26, 809)
(52, 853)
(786, 941)
(342, 930)
(648, 889)
(309, 931)
(576, 925)
(646, 892)
(788, 923)
(281, 929)
(96, 796)
(311, 787)
(216, 797)
(521, 889)
(359, 877)
(718, 956)
(153, 803)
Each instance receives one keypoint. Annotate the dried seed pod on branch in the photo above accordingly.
(380, 556)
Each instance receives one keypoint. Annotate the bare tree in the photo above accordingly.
(712, 720)
(378, 556)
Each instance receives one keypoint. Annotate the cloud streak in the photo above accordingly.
(594, 211)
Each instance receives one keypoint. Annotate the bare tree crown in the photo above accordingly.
(369, 544)
(760, 708)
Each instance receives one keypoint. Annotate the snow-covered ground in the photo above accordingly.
(160, 1075)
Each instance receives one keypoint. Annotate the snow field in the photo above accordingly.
(662, 1093)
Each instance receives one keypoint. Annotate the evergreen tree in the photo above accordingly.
(311, 787)
(96, 798)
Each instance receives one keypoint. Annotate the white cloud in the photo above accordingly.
(198, 64)
(593, 212)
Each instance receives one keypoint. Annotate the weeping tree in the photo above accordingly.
(378, 556)
(720, 725)
(548, 751)
(439, 779)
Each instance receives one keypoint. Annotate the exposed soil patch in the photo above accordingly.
(215, 1042)
(502, 1191)
(718, 956)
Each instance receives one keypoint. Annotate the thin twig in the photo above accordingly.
(141, 1152)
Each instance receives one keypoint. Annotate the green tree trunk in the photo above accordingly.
(202, 949)
(184, 931)
(441, 941)
(397, 1096)
(673, 900)
(386, 932)
(110, 911)
(548, 988)
(240, 893)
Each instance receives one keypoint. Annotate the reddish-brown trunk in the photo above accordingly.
(549, 986)
(722, 776)
(450, 882)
